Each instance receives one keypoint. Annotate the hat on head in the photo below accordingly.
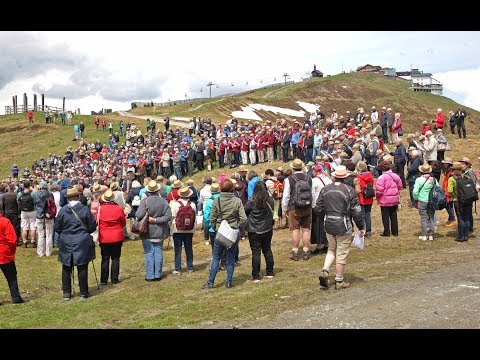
(340, 172)
(109, 195)
(136, 184)
(215, 188)
(465, 160)
(189, 182)
(297, 164)
(425, 168)
(410, 136)
(177, 184)
(457, 166)
(73, 191)
(153, 186)
(318, 157)
(114, 186)
(447, 160)
(310, 163)
(159, 178)
(425, 122)
(96, 188)
(343, 154)
(356, 146)
(439, 110)
(185, 192)
(234, 182)
(410, 148)
(439, 130)
(242, 168)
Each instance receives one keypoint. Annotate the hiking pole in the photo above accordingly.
(72, 269)
(96, 279)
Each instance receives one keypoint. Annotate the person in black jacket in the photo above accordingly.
(260, 229)
(400, 159)
(339, 203)
(412, 171)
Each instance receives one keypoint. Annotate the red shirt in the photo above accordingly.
(425, 129)
(173, 195)
(245, 144)
(8, 241)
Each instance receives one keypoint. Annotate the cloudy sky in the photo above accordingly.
(95, 70)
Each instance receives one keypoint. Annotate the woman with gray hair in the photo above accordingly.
(364, 187)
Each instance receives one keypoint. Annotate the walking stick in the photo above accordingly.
(96, 279)
(72, 269)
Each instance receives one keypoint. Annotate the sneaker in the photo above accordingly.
(175, 272)
(228, 285)
(255, 280)
(294, 256)
(323, 278)
(268, 276)
(430, 237)
(103, 283)
(339, 285)
(423, 238)
(207, 286)
(84, 296)
(306, 255)
(66, 298)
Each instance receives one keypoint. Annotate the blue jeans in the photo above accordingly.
(153, 253)
(451, 215)
(186, 240)
(217, 253)
(316, 152)
(366, 214)
(178, 172)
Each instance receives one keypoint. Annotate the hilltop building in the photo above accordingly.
(421, 81)
(316, 73)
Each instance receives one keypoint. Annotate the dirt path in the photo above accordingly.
(445, 298)
(201, 105)
(156, 118)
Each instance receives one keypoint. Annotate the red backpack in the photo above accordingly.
(51, 208)
(185, 219)
(278, 190)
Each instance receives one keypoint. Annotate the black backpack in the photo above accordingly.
(26, 202)
(368, 191)
(466, 191)
(302, 192)
(436, 198)
(366, 152)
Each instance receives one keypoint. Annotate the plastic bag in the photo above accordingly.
(358, 241)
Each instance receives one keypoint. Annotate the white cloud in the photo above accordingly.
(463, 84)
(115, 68)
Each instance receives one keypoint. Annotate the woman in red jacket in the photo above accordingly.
(363, 178)
(111, 220)
(440, 120)
(8, 247)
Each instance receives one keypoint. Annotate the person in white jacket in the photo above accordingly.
(430, 146)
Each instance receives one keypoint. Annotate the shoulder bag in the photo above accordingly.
(226, 236)
(141, 226)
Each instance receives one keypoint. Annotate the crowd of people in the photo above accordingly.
(338, 166)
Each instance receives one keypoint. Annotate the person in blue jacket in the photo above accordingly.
(76, 246)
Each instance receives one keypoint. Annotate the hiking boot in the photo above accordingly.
(339, 285)
(67, 297)
(294, 256)
(306, 255)
(324, 278)
(84, 296)
(255, 280)
(175, 272)
(228, 285)
(207, 286)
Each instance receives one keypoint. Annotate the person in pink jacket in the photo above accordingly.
(397, 127)
(387, 191)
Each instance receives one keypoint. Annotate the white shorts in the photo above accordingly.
(28, 220)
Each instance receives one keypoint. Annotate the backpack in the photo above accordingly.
(26, 202)
(368, 191)
(185, 219)
(50, 208)
(436, 198)
(278, 190)
(302, 193)
(466, 191)
(366, 151)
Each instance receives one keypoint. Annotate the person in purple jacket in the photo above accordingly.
(388, 197)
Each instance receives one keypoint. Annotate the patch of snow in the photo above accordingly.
(278, 110)
(246, 113)
(311, 108)
(469, 286)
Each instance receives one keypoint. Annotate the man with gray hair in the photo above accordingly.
(26, 205)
